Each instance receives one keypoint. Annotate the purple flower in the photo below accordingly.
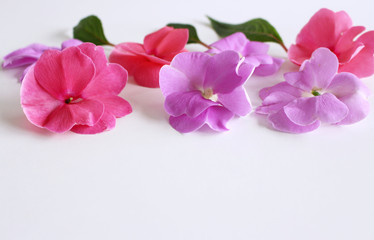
(254, 53)
(25, 57)
(315, 94)
(203, 89)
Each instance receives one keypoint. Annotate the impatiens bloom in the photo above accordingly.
(25, 57)
(254, 53)
(334, 31)
(144, 61)
(203, 89)
(74, 89)
(315, 94)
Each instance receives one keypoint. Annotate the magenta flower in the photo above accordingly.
(315, 94)
(74, 89)
(203, 89)
(254, 53)
(24, 58)
(144, 61)
(335, 32)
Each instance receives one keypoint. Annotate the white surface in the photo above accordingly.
(144, 180)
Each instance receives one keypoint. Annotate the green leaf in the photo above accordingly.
(90, 29)
(192, 33)
(256, 30)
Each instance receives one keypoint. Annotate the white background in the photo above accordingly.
(143, 180)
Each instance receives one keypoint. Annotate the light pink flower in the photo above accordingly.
(202, 89)
(144, 61)
(335, 31)
(315, 94)
(74, 89)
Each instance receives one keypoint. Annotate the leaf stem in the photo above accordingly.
(284, 47)
(205, 45)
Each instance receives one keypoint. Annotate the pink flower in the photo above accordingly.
(254, 53)
(74, 89)
(335, 32)
(144, 61)
(315, 94)
(202, 89)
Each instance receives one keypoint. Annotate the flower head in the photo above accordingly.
(315, 94)
(203, 89)
(355, 53)
(144, 61)
(25, 57)
(254, 53)
(74, 89)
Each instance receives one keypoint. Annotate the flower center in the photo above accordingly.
(315, 93)
(208, 94)
(72, 100)
(68, 100)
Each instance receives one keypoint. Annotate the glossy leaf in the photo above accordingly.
(90, 29)
(192, 33)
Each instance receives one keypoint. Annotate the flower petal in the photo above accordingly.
(330, 109)
(60, 120)
(193, 65)
(173, 80)
(236, 42)
(86, 112)
(70, 43)
(269, 69)
(106, 122)
(302, 111)
(37, 104)
(346, 48)
(237, 101)
(221, 75)
(185, 124)
(280, 87)
(115, 105)
(281, 122)
(358, 107)
(274, 102)
(190, 103)
(70, 70)
(146, 74)
(217, 117)
(346, 84)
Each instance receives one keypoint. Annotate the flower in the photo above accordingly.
(25, 57)
(336, 34)
(203, 89)
(74, 89)
(144, 61)
(255, 53)
(315, 94)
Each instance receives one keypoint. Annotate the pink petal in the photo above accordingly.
(298, 54)
(106, 122)
(193, 65)
(97, 55)
(60, 120)
(37, 104)
(115, 105)
(146, 74)
(237, 101)
(358, 107)
(217, 117)
(190, 103)
(346, 48)
(70, 70)
(86, 112)
(166, 42)
(281, 122)
(221, 73)
(172, 80)
(185, 124)
(129, 61)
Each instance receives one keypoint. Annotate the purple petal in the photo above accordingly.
(269, 69)
(280, 87)
(237, 101)
(281, 122)
(235, 42)
(24, 56)
(190, 103)
(302, 111)
(346, 84)
(191, 64)
(330, 109)
(221, 75)
(255, 48)
(173, 80)
(70, 42)
(358, 107)
(316, 72)
(274, 102)
(185, 124)
(217, 118)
